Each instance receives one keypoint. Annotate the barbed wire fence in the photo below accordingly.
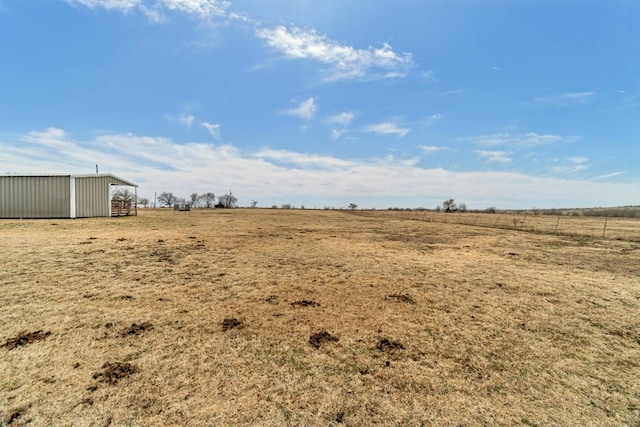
(588, 226)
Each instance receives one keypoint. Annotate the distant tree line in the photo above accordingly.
(204, 200)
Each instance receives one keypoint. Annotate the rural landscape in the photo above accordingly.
(320, 317)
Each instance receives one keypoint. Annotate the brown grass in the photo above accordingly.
(587, 226)
(212, 318)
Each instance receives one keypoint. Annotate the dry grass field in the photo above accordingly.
(587, 226)
(299, 317)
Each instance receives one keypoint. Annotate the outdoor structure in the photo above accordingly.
(63, 196)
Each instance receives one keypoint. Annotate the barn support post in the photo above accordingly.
(72, 197)
(110, 199)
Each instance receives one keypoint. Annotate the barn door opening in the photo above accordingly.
(124, 200)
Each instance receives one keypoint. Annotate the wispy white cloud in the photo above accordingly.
(387, 128)
(185, 120)
(214, 129)
(566, 99)
(432, 148)
(337, 133)
(578, 160)
(313, 161)
(278, 176)
(433, 119)
(53, 137)
(453, 92)
(203, 9)
(346, 62)
(305, 110)
(495, 156)
(570, 165)
(342, 119)
(609, 175)
(115, 5)
(524, 140)
(428, 75)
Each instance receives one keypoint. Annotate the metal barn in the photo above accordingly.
(62, 196)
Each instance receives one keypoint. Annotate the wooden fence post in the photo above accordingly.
(522, 223)
(604, 230)
(558, 222)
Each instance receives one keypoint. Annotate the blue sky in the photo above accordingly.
(404, 103)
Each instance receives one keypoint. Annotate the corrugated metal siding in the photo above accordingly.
(34, 196)
(117, 181)
(92, 196)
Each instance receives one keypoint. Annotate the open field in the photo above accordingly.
(295, 317)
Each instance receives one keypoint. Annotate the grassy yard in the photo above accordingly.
(301, 317)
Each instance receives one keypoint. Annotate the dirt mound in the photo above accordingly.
(230, 323)
(402, 298)
(320, 338)
(136, 329)
(305, 303)
(24, 339)
(386, 345)
(115, 371)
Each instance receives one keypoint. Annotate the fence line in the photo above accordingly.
(601, 227)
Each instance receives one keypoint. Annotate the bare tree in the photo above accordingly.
(143, 201)
(353, 206)
(207, 199)
(449, 205)
(254, 203)
(167, 199)
(227, 201)
(194, 199)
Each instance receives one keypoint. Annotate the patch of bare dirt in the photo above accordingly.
(406, 298)
(112, 372)
(305, 303)
(137, 329)
(387, 346)
(320, 338)
(230, 323)
(24, 339)
(16, 416)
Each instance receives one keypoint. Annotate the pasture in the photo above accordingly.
(301, 317)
